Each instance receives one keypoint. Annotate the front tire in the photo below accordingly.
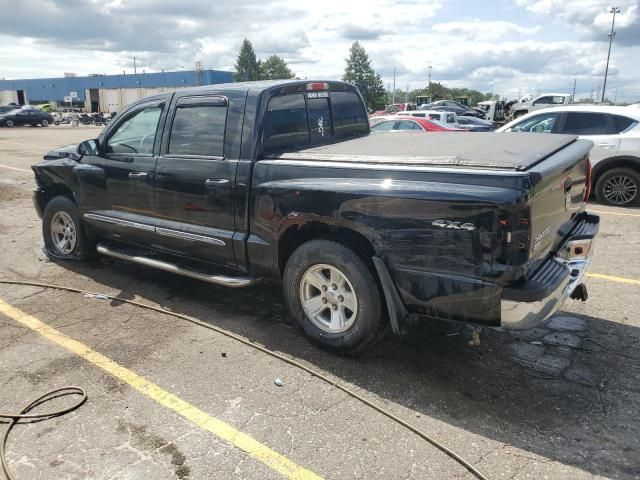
(619, 187)
(334, 297)
(63, 232)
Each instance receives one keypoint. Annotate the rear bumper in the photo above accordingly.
(529, 304)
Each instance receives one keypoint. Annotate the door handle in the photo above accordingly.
(216, 182)
(138, 175)
(606, 145)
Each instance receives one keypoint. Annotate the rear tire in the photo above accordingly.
(619, 187)
(44, 123)
(63, 232)
(334, 297)
(8, 123)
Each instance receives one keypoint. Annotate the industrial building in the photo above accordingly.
(104, 93)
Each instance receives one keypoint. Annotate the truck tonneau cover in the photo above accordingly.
(511, 151)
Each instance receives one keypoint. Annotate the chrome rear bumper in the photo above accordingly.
(557, 277)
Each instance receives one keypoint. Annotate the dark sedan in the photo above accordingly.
(25, 116)
(452, 106)
(473, 124)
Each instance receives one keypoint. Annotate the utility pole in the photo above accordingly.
(430, 67)
(613, 10)
(573, 95)
(134, 66)
(393, 94)
(198, 71)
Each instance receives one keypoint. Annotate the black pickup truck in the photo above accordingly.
(281, 180)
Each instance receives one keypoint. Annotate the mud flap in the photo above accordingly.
(395, 306)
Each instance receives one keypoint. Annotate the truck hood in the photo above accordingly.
(506, 151)
(70, 151)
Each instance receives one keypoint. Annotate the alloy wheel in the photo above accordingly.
(328, 298)
(63, 233)
(620, 190)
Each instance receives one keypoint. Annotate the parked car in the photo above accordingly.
(6, 108)
(449, 118)
(493, 110)
(543, 101)
(393, 124)
(231, 183)
(473, 124)
(452, 106)
(615, 156)
(394, 108)
(25, 116)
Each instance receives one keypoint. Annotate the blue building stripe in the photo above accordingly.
(55, 89)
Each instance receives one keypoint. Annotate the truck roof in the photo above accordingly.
(511, 151)
(262, 85)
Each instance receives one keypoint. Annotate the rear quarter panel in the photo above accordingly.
(444, 272)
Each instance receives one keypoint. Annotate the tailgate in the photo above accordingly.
(559, 185)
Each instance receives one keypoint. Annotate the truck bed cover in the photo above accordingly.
(510, 151)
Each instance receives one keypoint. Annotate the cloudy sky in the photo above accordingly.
(511, 47)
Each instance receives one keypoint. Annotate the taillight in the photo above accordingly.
(587, 186)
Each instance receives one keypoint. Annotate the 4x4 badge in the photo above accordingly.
(454, 225)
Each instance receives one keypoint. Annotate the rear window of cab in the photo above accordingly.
(312, 118)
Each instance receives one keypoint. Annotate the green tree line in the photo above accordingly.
(358, 71)
(248, 67)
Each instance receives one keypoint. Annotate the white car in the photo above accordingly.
(449, 118)
(615, 156)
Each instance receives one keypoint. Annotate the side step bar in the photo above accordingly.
(223, 280)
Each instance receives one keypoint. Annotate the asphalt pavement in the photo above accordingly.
(169, 399)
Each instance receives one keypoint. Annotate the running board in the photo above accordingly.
(223, 280)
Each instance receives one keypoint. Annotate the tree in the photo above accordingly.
(275, 68)
(247, 65)
(360, 73)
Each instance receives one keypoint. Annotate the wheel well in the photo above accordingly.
(57, 190)
(297, 235)
(624, 162)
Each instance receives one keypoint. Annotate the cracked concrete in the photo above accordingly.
(557, 402)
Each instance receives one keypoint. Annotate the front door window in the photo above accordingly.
(137, 133)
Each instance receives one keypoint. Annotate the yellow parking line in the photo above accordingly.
(14, 168)
(603, 212)
(206, 422)
(612, 278)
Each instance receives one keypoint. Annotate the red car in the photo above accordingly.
(394, 124)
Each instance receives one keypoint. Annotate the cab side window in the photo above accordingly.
(198, 127)
(543, 101)
(137, 133)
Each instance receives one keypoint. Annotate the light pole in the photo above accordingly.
(613, 10)
(430, 67)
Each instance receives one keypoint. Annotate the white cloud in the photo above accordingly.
(534, 45)
(483, 30)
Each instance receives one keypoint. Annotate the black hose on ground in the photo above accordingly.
(24, 414)
(265, 350)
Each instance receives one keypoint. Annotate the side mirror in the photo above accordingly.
(89, 147)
